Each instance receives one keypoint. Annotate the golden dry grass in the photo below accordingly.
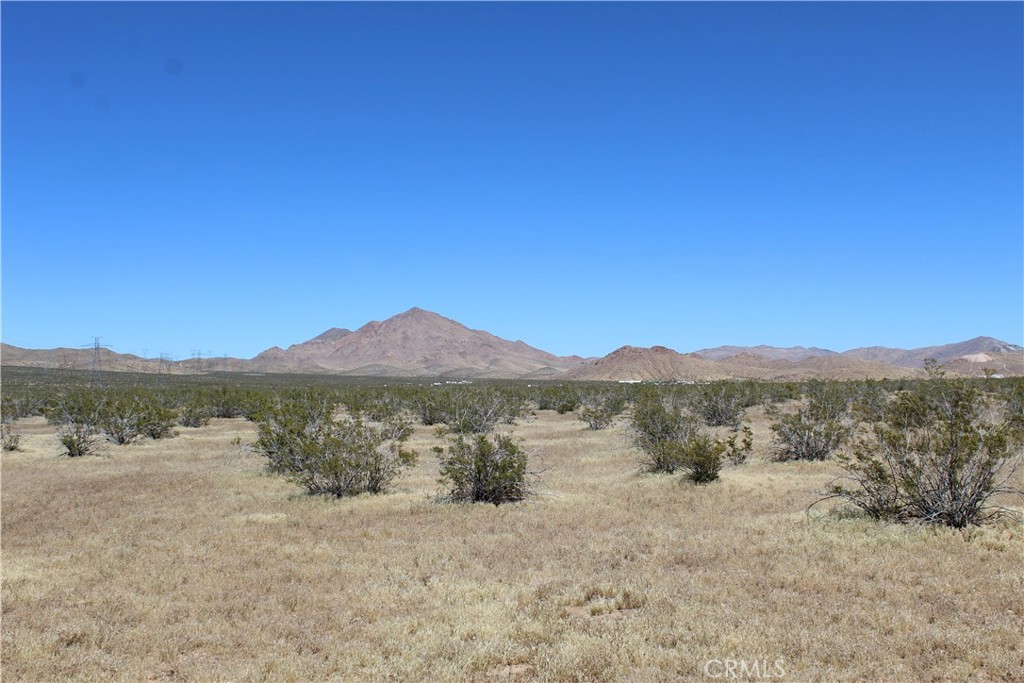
(181, 559)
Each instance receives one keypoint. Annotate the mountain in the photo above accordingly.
(414, 343)
(815, 367)
(977, 364)
(63, 359)
(793, 353)
(418, 343)
(658, 363)
(304, 357)
(915, 358)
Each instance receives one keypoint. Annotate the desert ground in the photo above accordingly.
(182, 559)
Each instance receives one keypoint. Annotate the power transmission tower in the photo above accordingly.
(96, 368)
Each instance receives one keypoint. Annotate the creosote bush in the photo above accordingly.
(157, 420)
(78, 438)
(343, 456)
(935, 457)
(9, 440)
(600, 410)
(672, 441)
(78, 415)
(721, 404)
(817, 428)
(193, 413)
(657, 425)
(484, 469)
(471, 410)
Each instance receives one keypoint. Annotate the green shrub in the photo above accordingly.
(78, 438)
(702, 457)
(484, 469)
(340, 457)
(193, 413)
(659, 428)
(229, 402)
(817, 428)
(720, 404)
(562, 399)
(121, 419)
(600, 410)
(9, 440)
(473, 410)
(934, 458)
(77, 414)
(157, 421)
(800, 436)
(737, 455)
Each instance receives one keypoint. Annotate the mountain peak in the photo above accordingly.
(417, 311)
(332, 334)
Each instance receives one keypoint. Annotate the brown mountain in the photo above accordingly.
(86, 360)
(414, 343)
(304, 357)
(419, 343)
(813, 367)
(793, 353)
(658, 363)
(977, 364)
(661, 364)
(915, 358)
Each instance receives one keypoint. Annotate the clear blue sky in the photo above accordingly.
(228, 177)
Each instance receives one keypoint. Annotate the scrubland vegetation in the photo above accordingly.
(308, 529)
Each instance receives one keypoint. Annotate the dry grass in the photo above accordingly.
(181, 559)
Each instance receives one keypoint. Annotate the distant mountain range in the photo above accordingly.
(905, 358)
(418, 343)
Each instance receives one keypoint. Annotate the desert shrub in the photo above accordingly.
(20, 405)
(721, 404)
(817, 428)
(658, 427)
(799, 436)
(342, 456)
(567, 405)
(80, 405)
(157, 420)
(936, 457)
(472, 410)
(121, 419)
(738, 454)
(484, 469)
(829, 400)
(374, 406)
(78, 438)
(870, 402)
(352, 458)
(228, 402)
(702, 457)
(1012, 396)
(562, 399)
(673, 441)
(78, 414)
(9, 440)
(290, 431)
(431, 410)
(600, 410)
(193, 413)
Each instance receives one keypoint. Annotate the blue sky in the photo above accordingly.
(182, 177)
